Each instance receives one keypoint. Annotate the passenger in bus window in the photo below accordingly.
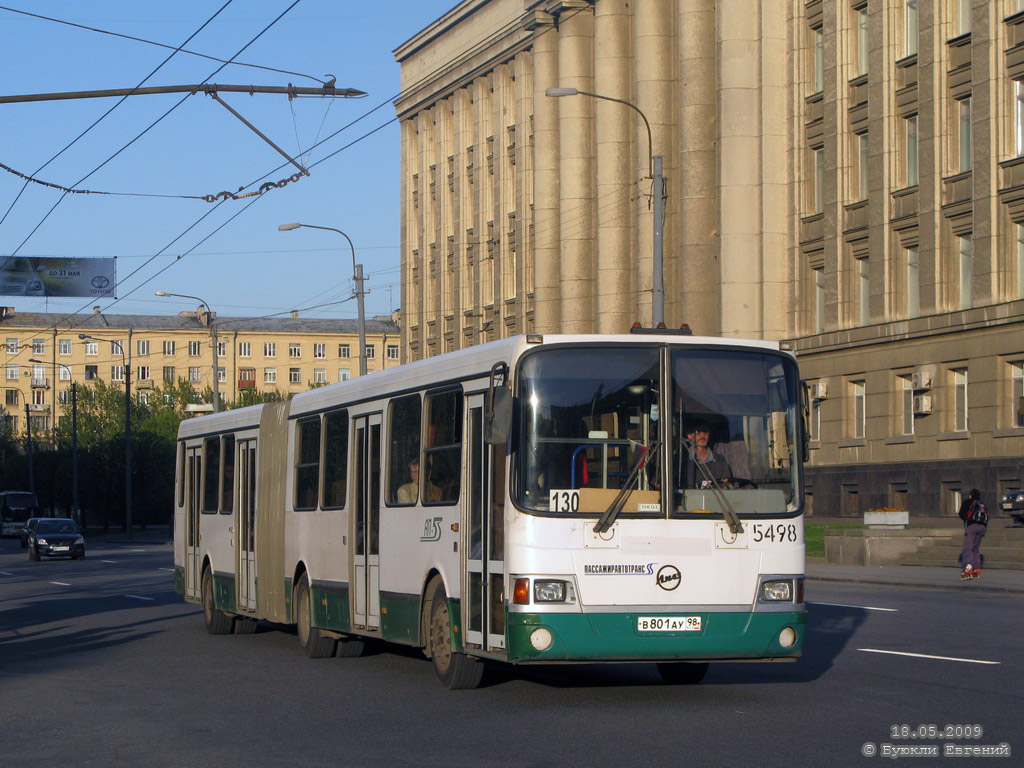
(408, 493)
(703, 464)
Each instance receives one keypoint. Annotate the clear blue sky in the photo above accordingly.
(246, 267)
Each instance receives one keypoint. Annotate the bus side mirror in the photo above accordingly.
(498, 416)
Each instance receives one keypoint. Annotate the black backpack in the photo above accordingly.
(978, 513)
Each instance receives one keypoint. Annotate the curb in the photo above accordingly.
(884, 583)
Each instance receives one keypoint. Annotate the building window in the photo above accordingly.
(857, 392)
(1018, 117)
(964, 122)
(222, 374)
(168, 347)
(92, 347)
(144, 397)
(270, 375)
(819, 60)
(10, 397)
(195, 348)
(269, 349)
(320, 350)
(861, 20)
(38, 397)
(245, 349)
(1017, 393)
(392, 351)
(819, 179)
(819, 300)
(195, 373)
(117, 347)
(12, 371)
(966, 249)
(64, 397)
(913, 281)
(294, 376)
(142, 347)
(64, 346)
(294, 349)
(142, 373)
(371, 352)
(169, 374)
(38, 346)
(906, 404)
(344, 351)
(64, 373)
(222, 349)
(344, 374)
(910, 27)
(963, 17)
(92, 372)
(862, 166)
(1020, 261)
(911, 168)
(319, 375)
(117, 373)
(864, 290)
(12, 346)
(960, 400)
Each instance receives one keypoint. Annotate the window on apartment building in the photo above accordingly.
(910, 168)
(392, 351)
(294, 376)
(142, 373)
(319, 375)
(12, 346)
(10, 397)
(1018, 117)
(92, 372)
(168, 347)
(117, 373)
(864, 290)
(1020, 260)
(195, 373)
(964, 133)
(64, 346)
(371, 352)
(913, 273)
(222, 349)
(64, 397)
(144, 397)
(195, 348)
(269, 349)
(222, 374)
(13, 371)
(965, 247)
(38, 397)
(270, 375)
(911, 28)
(819, 300)
(38, 346)
(344, 374)
(169, 374)
(959, 399)
(142, 347)
(319, 350)
(818, 195)
(859, 414)
(117, 347)
(818, 62)
(64, 373)
(294, 349)
(963, 16)
(1017, 393)
(906, 395)
(245, 349)
(860, 18)
(247, 375)
(92, 348)
(862, 166)
(344, 351)
(38, 374)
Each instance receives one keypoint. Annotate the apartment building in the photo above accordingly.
(846, 175)
(43, 354)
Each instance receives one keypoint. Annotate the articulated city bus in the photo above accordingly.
(539, 499)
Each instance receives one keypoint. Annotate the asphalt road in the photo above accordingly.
(102, 664)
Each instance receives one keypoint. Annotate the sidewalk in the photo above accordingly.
(991, 580)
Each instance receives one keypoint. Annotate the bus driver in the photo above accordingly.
(703, 463)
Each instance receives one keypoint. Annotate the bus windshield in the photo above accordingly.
(589, 416)
(733, 432)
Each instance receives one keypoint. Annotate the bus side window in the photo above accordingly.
(443, 450)
(335, 459)
(211, 478)
(307, 463)
(403, 449)
(227, 486)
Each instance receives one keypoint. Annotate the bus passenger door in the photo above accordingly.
(246, 528)
(366, 523)
(484, 523)
(193, 491)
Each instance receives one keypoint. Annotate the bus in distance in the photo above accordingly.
(16, 507)
(533, 500)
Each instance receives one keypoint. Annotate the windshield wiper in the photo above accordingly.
(735, 526)
(619, 502)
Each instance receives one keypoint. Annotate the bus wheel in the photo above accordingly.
(683, 672)
(454, 670)
(315, 645)
(245, 625)
(217, 622)
(349, 648)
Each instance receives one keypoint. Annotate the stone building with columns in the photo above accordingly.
(847, 175)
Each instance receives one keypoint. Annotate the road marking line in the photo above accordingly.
(61, 583)
(927, 656)
(165, 569)
(5, 573)
(136, 550)
(140, 597)
(109, 561)
(862, 607)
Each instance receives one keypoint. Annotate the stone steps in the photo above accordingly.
(1003, 548)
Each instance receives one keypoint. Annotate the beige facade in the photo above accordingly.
(847, 175)
(288, 355)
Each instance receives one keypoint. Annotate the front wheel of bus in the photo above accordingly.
(683, 672)
(217, 622)
(315, 645)
(454, 670)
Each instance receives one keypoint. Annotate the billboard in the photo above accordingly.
(53, 276)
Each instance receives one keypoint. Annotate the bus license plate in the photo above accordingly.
(668, 624)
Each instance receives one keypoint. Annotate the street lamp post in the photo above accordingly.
(127, 433)
(658, 194)
(76, 511)
(213, 341)
(357, 275)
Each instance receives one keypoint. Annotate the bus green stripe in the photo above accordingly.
(224, 592)
(179, 580)
(330, 605)
(614, 637)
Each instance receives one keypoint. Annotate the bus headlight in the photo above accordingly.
(777, 591)
(549, 591)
